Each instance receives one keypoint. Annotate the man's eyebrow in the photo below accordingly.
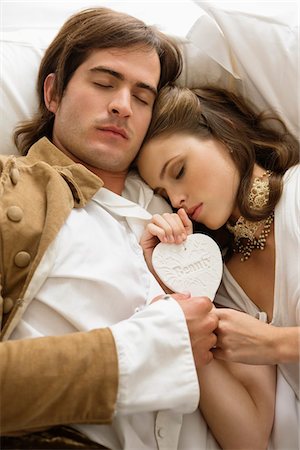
(148, 87)
(120, 76)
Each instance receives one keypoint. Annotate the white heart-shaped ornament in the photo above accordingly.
(195, 265)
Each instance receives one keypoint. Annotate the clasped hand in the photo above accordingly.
(199, 312)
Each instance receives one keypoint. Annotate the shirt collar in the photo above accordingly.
(82, 182)
(120, 205)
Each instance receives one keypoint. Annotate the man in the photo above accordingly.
(71, 265)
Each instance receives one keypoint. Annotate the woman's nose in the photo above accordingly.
(177, 200)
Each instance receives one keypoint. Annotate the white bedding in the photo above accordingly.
(255, 53)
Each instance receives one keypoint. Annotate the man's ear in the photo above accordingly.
(49, 95)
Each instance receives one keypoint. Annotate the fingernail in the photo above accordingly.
(186, 293)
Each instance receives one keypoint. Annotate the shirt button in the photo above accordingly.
(161, 433)
(22, 259)
(8, 304)
(137, 309)
(14, 213)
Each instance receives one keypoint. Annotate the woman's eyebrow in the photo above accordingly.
(165, 166)
(121, 77)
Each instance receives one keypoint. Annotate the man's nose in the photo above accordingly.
(120, 105)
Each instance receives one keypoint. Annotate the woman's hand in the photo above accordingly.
(245, 339)
(169, 228)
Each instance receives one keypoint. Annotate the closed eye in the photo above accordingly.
(180, 173)
(141, 100)
(103, 85)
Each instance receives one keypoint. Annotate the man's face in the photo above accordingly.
(106, 108)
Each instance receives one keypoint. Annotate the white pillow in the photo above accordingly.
(20, 60)
(256, 50)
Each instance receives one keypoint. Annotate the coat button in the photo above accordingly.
(14, 213)
(22, 259)
(161, 433)
(8, 304)
(14, 175)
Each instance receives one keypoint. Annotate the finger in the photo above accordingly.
(178, 229)
(222, 312)
(159, 297)
(206, 305)
(148, 240)
(157, 231)
(213, 341)
(186, 294)
(181, 295)
(210, 357)
(163, 223)
(203, 357)
(187, 223)
(218, 353)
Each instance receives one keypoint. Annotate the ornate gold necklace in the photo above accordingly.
(244, 230)
(244, 235)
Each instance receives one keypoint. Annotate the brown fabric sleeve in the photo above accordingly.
(57, 380)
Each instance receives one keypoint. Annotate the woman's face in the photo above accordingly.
(196, 174)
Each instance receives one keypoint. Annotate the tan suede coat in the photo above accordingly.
(52, 380)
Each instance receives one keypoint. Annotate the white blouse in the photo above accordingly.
(286, 311)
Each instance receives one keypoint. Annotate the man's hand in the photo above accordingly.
(201, 319)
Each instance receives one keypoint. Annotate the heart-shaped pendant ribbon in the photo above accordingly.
(195, 266)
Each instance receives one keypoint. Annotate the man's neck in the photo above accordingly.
(114, 181)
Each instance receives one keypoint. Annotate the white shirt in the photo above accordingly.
(95, 275)
(286, 310)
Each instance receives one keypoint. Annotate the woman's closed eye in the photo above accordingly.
(180, 173)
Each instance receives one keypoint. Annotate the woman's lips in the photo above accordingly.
(194, 212)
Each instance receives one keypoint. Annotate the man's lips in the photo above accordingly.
(194, 212)
(115, 130)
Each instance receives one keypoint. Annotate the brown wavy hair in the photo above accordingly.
(94, 28)
(250, 137)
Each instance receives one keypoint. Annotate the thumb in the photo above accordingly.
(187, 223)
(181, 295)
(175, 295)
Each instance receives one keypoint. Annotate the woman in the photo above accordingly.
(232, 171)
